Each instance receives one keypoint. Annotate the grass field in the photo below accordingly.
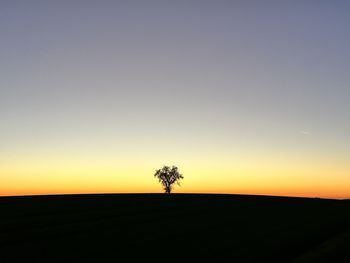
(163, 228)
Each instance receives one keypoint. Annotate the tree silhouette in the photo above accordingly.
(167, 176)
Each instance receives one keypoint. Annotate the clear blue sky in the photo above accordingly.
(235, 88)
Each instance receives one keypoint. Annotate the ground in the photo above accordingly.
(172, 228)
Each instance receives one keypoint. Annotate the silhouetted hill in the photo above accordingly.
(163, 228)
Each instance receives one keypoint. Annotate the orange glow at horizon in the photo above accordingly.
(256, 178)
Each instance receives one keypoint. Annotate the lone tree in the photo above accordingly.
(167, 176)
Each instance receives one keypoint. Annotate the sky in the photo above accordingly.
(247, 97)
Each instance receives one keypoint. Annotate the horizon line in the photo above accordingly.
(158, 193)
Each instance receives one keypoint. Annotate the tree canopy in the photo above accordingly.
(167, 176)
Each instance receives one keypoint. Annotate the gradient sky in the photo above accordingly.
(243, 96)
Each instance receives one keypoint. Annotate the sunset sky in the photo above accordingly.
(246, 97)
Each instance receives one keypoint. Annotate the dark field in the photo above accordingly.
(161, 228)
